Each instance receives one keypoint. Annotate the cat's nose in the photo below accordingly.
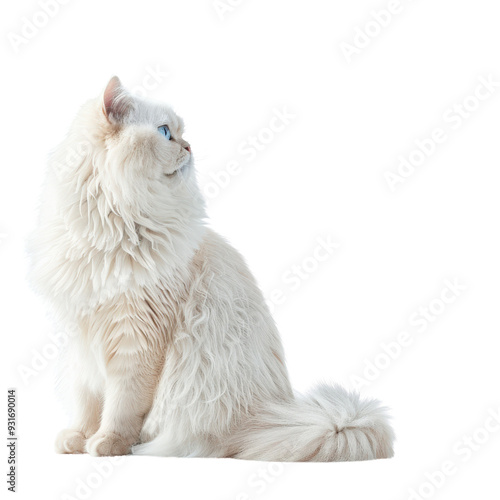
(184, 144)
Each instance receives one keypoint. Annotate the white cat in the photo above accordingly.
(176, 352)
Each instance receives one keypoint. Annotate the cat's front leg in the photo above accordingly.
(130, 386)
(88, 414)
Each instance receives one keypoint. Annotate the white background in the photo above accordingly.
(322, 176)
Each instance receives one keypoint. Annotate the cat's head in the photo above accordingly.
(144, 134)
(134, 155)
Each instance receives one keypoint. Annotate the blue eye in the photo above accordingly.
(165, 131)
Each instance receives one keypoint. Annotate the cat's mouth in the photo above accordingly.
(177, 170)
(181, 168)
(172, 174)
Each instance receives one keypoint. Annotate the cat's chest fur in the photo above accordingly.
(84, 270)
(131, 324)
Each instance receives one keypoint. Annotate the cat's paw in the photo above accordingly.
(70, 441)
(107, 444)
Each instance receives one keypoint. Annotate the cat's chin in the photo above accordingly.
(175, 172)
(179, 171)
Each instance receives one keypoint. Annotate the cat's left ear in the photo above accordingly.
(116, 101)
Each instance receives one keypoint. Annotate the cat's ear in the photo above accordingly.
(116, 101)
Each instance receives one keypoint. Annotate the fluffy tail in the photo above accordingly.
(329, 424)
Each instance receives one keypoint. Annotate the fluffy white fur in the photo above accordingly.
(177, 353)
